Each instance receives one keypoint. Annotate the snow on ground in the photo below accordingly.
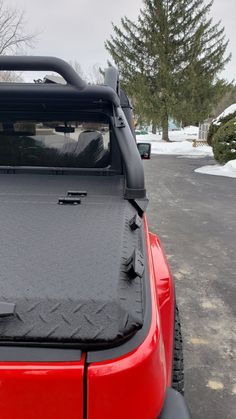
(182, 148)
(229, 169)
(179, 145)
(187, 133)
(226, 112)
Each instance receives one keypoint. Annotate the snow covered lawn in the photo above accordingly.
(229, 169)
(187, 133)
(179, 145)
(183, 148)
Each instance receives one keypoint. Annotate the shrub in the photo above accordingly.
(212, 130)
(215, 126)
(224, 144)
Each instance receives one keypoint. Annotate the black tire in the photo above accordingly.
(178, 359)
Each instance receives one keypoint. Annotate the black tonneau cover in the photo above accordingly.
(65, 266)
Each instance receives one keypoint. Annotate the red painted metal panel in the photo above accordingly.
(165, 293)
(41, 390)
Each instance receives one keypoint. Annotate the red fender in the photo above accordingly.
(166, 296)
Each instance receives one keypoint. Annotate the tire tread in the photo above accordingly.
(178, 360)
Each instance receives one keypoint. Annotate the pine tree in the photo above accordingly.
(169, 59)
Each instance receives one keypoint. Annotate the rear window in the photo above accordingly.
(74, 144)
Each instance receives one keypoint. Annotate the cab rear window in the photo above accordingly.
(75, 144)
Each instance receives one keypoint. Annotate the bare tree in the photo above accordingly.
(77, 67)
(13, 36)
(10, 77)
(12, 29)
(93, 76)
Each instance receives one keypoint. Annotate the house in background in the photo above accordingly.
(203, 129)
(173, 126)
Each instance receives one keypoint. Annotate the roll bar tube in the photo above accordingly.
(38, 63)
(135, 182)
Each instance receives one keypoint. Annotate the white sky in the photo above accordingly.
(77, 29)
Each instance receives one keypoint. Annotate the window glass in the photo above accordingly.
(55, 144)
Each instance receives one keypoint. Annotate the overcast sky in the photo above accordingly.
(77, 29)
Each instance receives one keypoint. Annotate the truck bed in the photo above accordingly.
(64, 266)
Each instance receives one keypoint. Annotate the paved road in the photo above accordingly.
(195, 216)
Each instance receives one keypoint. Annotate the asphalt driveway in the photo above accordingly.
(195, 216)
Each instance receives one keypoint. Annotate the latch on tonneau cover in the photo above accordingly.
(135, 265)
(77, 193)
(135, 222)
(69, 201)
(72, 198)
(7, 309)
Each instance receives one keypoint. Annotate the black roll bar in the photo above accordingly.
(111, 79)
(38, 63)
(11, 96)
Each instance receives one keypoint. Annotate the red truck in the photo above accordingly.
(89, 326)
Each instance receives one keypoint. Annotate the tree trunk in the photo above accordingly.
(165, 128)
(154, 128)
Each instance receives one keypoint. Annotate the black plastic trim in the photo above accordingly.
(54, 112)
(175, 406)
(38, 354)
(135, 193)
(140, 205)
(58, 170)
